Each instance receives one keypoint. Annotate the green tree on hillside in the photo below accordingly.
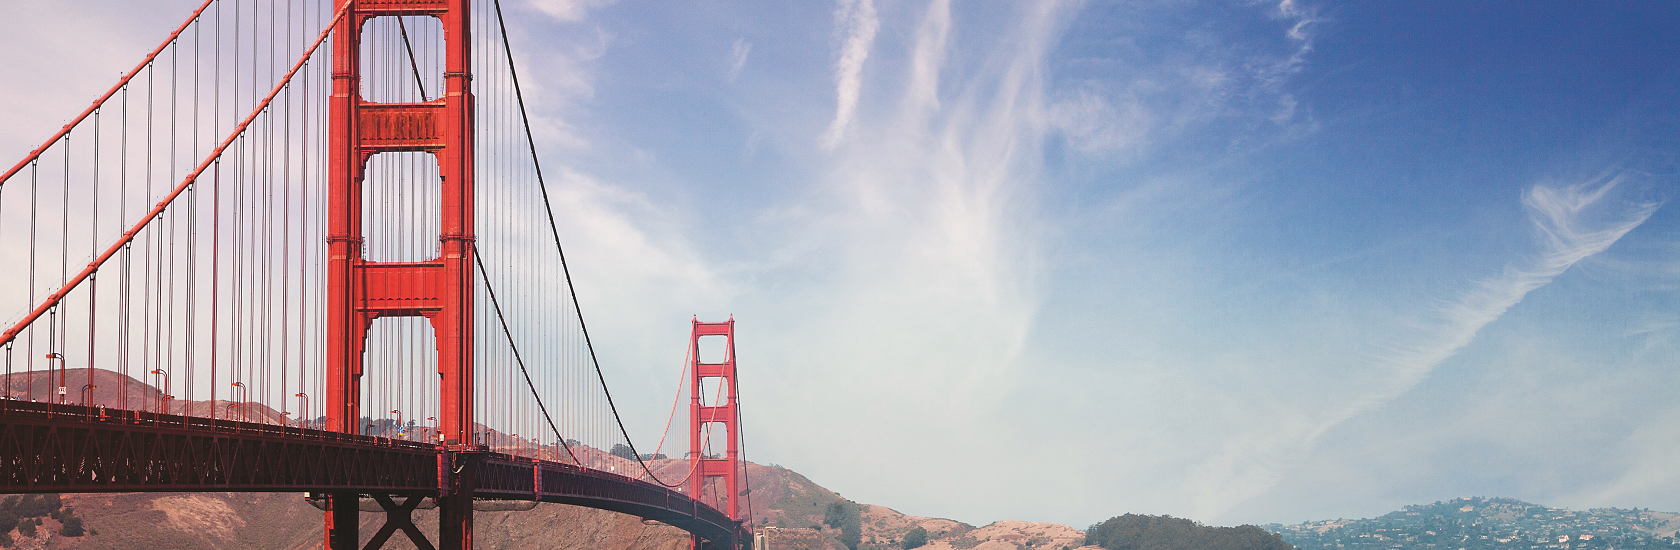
(69, 524)
(916, 538)
(851, 534)
(844, 515)
(835, 515)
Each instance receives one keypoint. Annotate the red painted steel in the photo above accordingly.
(440, 289)
(724, 414)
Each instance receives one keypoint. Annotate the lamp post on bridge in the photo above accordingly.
(85, 388)
(62, 390)
(303, 407)
(399, 421)
(244, 411)
(163, 400)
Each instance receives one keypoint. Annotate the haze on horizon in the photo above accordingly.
(1242, 262)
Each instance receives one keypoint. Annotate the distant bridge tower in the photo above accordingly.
(723, 415)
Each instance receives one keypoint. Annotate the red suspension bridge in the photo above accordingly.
(306, 246)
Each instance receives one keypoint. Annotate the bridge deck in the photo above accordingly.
(48, 448)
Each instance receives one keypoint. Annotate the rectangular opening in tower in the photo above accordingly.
(713, 390)
(714, 440)
(400, 379)
(402, 59)
(714, 349)
(402, 210)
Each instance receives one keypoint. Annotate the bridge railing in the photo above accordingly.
(104, 415)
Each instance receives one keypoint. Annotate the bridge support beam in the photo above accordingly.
(399, 517)
(455, 506)
(342, 520)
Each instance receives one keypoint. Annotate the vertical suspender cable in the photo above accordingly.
(125, 264)
(121, 84)
(93, 244)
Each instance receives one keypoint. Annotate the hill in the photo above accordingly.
(1140, 532)
(1476, 523)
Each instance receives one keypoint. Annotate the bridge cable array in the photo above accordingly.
(264, 307)
(565, 268)
(159, 323)
(555, 233)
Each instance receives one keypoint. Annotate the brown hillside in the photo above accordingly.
(286, 521)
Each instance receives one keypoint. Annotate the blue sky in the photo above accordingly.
(1060, 261)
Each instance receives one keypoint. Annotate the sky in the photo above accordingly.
(1240, 261)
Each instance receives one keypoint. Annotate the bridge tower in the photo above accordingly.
(705, 418)
(438, 289)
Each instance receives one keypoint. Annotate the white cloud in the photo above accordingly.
(1143, 100)
(924, 242)
(1571, 223)
(738, 57)
(568, 10)
(929, 55)
(1095, 125)
(631, 258)
(857, 21)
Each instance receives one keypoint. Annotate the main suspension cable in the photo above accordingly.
(548, 208)
(516, 357)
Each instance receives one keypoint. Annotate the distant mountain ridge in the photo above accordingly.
(1472, 523)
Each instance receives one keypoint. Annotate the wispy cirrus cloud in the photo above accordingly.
(738, 57)
(927, 242)
(568, 10)
(929, 56)
(857, 22)
(1571, 223)
(1124, 103)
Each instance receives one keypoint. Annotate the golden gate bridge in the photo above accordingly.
(306, 246)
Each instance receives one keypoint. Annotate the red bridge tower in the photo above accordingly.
(703, 418)
(439, 289)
